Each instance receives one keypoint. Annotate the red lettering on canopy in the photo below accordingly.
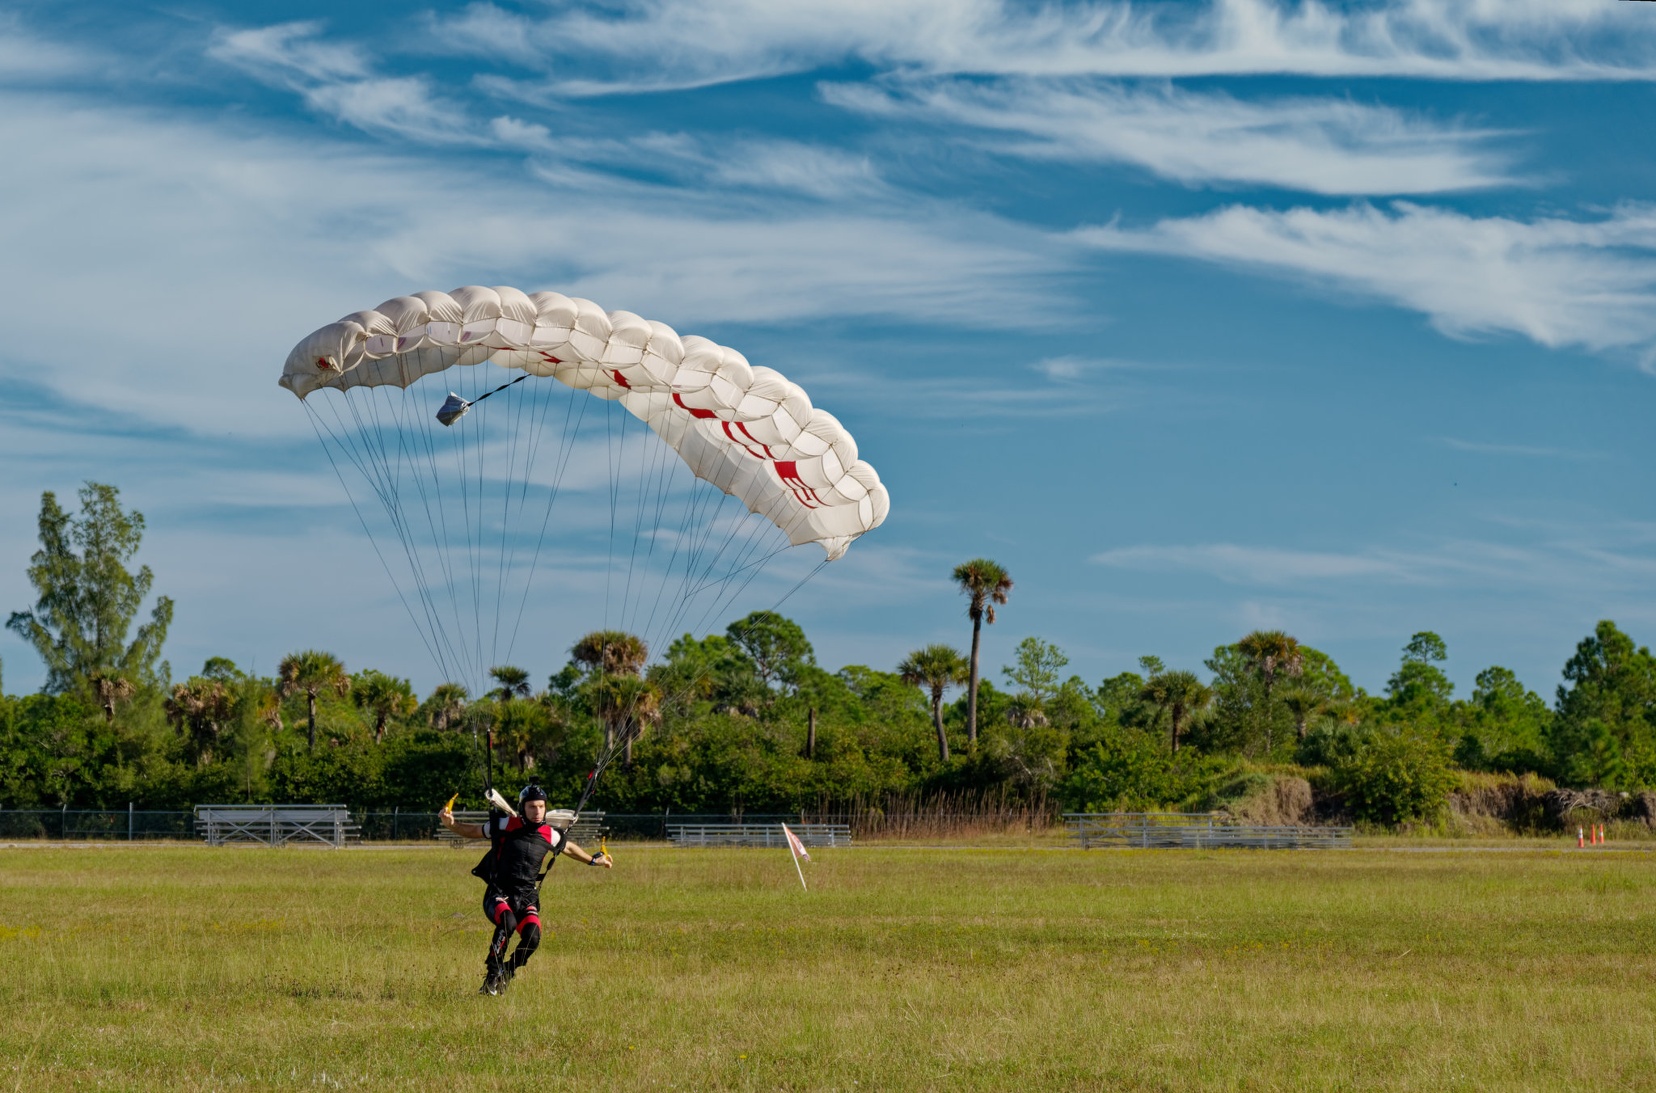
(695, 413)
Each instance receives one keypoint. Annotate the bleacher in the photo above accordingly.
(812, 835)
(1196, 831)
(275, 825)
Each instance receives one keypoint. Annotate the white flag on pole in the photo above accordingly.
(796, 850)
(794, 844)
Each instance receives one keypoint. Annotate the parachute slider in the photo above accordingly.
(494, 798)
(453, 409)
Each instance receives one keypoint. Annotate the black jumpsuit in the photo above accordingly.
(512, 899)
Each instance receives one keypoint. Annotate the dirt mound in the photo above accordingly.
(1487, 803)
(1268, 799)
(1577, 806)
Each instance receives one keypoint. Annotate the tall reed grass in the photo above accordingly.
(962, 814)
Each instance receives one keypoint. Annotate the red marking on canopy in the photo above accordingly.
(703, 414)
(788, 472)
(619, 378)
(742, 426)
(738, 440)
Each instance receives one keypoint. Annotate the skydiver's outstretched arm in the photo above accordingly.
(584, 858)
(459, 827)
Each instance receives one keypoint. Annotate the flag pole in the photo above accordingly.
(795, 848)
(797, 869)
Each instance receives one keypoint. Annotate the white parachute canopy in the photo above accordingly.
(750, 431)
(452, 482)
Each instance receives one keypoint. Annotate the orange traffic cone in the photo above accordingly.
(1581, 838)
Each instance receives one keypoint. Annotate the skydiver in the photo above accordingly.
(512, 871)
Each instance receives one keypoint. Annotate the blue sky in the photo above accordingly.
(1199, 317)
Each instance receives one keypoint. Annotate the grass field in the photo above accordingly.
(192, 968)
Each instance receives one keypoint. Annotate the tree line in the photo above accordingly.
(747, 720)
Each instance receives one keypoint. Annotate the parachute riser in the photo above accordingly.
(604, 761)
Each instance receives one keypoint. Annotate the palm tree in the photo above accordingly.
(1272, 653)
(985, 584)
(447, 703)
(624, 703)
(1024, 712)
(514, 682)
(612, 652)
(384, 697)
(620, 696)
(111, 690)
(937, 668)
(312, 672)
(1304, 703)
(521, 728)
(270, 711)
(200, 708)
(1181, 695)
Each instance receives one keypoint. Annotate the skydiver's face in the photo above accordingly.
(534, 811)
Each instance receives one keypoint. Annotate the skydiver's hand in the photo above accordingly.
(602, 859)
(446, 817)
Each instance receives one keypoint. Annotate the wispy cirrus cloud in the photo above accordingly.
(1552, 557)
(750, 164)
(1525, 451)
(1318, 145)
(1556, 281)
(29, 58)
(649, 45)
(218, 249)
(335, 79)
(1237, 563)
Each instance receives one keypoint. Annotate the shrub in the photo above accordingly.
(1131, 770)
(1394, 777)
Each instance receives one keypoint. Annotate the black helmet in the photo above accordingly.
(531, 792)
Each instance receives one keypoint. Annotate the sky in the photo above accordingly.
(1198, 317)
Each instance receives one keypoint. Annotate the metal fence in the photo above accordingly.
(136, 824)
(76, 825)
(1195, 831)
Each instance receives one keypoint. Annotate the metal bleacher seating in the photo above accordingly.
(1195, 831)
(275, 825)
(812, 835)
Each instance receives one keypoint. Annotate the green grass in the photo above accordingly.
(189, 968)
